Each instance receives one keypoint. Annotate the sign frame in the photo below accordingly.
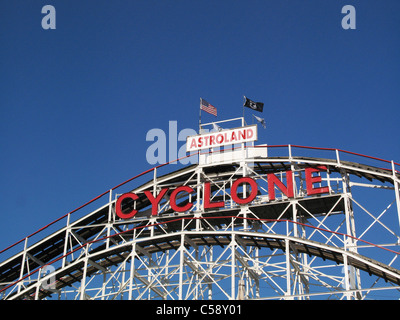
(222, 138)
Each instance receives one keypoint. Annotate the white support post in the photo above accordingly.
(288, 267)
(153, 219)
(346, 276)
(199, 204)
(337, 157)
(21, 274)
(109, 219)
(396, 191)
(352, 277)
(233, 263)
(295, 219)
(244, 208)
(350, 228)
(181, 258)
(38, 285)
(67, 233)
(83, 281)
(211, 258)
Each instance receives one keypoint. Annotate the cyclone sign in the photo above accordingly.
(272, 179)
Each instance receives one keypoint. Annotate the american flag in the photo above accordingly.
(204, 105)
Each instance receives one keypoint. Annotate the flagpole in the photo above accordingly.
(200, 118)
(244, 100)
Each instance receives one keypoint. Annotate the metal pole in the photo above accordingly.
(233, 267)
(352, 277)
(396, 190)
(109, 218)
(132, 271)
(181, 257)
(346, 275)
(288, 268)
(83, 281)
(21, 274)
(244, 100)
(200, 118)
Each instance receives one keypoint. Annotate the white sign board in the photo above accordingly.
(221, 138)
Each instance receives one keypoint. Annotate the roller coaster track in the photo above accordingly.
(173, 255)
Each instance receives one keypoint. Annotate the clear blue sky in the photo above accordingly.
(76, 102)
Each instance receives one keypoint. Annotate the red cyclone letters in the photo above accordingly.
(287, 190)
(155, 200)
(174, 193)
(310, 180)
(119, 203)
(250, 197)
(208, 203)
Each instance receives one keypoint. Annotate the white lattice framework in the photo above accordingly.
(339, 245)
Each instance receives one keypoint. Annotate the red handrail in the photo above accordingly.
(349, 152)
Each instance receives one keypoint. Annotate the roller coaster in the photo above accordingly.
(252, 222)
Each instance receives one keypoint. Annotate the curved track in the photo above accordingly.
(265, 249)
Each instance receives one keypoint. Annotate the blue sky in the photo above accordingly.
(76, 102)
